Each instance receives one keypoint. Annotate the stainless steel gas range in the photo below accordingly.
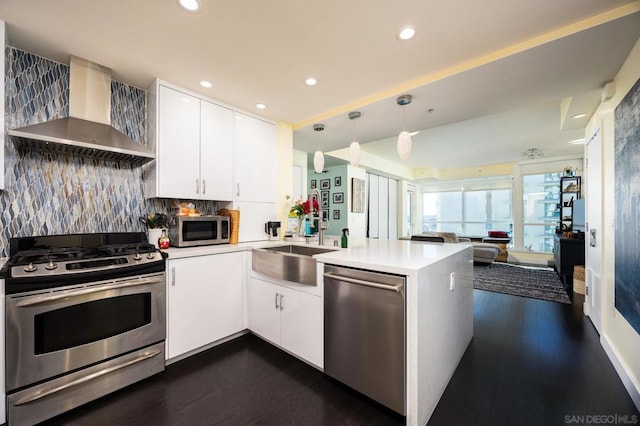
(85, 316)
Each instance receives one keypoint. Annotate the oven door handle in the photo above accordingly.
(38, 300)
(39, 394)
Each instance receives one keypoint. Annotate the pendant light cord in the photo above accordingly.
(404, 118)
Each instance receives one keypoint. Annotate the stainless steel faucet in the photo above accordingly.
(320, 227)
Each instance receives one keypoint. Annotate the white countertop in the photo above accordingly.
(182, 252)
(392, 256)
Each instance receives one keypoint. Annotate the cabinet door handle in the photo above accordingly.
(173, 276)
(277, 307)
(204, 186)
(281, 298)
(237, 189)
(197, 186)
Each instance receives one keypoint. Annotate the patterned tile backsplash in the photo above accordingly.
(49, 194)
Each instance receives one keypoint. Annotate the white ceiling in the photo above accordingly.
(494, 72)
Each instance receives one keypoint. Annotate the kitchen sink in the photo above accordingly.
(288, 262)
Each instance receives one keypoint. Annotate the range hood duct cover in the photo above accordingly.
(87, 131)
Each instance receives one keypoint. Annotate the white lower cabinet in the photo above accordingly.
(289, 318)
(204, 301)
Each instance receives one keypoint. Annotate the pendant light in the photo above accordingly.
(404, 138)
(318, 157)
(354, 148)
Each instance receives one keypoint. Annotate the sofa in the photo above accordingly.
(484, 252)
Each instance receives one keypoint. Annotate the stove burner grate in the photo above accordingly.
(120, 249)
(51, 255)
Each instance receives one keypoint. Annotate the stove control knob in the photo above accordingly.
(151, 255)
(137, 256)
(50, 266)
(31, 268)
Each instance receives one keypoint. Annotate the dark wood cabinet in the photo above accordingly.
(568, 252)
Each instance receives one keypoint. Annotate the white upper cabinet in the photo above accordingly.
(255, 175)
(178, 154)
(255, 160)
(194, 147)
(216, 151)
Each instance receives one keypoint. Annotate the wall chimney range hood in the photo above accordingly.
(87, 131)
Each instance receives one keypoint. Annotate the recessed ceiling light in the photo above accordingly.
(206, 84)
(581, 115)
(261, 106)
(190, 5)
(311, 81)
(407, 32)
(578, 141)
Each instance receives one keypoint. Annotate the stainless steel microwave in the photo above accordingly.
(189, 231)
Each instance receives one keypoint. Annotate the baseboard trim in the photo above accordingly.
(632, 387)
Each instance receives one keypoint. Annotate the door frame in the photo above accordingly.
(594, 232)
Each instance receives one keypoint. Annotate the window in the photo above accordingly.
(470, 209)
(540, 213)
(442, 212)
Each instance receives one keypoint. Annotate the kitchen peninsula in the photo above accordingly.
(439, 309)
(438, 322)
(438, 294)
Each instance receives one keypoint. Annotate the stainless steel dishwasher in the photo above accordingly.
(364, 333)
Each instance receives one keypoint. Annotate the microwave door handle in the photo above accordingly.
(38, 300)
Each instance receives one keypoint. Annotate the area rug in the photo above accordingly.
(537, 283)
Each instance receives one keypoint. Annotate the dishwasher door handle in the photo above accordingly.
(396, 288)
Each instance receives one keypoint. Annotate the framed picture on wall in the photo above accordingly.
(338, 197)
(313, 184)
(337, 181)
(325, 215)
(325, 184)
(324, 199)
(336, 215)
(357, 195)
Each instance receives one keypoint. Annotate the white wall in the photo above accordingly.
(284, 172)
(404, 187)
(300, 160)
(619, 339)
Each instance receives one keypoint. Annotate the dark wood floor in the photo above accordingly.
(531, 362)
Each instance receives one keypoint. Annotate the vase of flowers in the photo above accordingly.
(156, 224)
(299, 209)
